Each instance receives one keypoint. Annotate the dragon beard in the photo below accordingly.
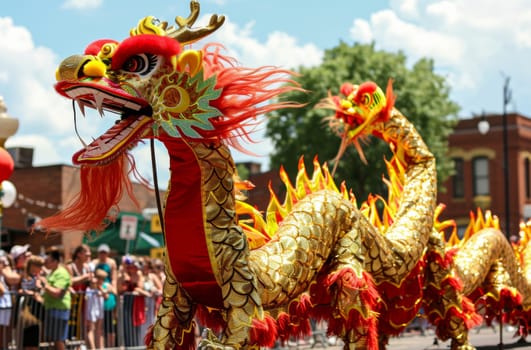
(102, 188)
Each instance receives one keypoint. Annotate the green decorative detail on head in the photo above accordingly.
(181, 105)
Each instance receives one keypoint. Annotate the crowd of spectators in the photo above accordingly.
(82, 299)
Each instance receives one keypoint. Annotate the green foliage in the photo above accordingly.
(243, 171)
(422, 96)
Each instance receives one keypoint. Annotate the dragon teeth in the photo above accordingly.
(98, 100)
(81, 107)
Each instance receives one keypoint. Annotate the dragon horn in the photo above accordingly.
(185, 34)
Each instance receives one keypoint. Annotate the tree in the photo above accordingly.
(422, 96)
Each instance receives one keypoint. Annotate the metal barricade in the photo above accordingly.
(25, 323)
(136, 314)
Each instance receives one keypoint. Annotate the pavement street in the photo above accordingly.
(484, 339)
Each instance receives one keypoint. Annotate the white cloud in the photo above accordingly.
(469, 41)
(26, 82)
(44, 150)
(394, 33)
(280, 49)
(407, 8)
(445, 11)
(218, 2)
(361, 31)
(27, 75)
(17, 39)
(82, 4)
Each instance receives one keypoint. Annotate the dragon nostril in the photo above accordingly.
(69, 68)
(79, 66)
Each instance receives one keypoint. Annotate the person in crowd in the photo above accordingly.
(153, 287)
(57, 299)
(131, 282)
(19, 254)
(81, 275)
(6, 304)
(95, 299)
(158, 266)
(104, 262)
(14, 271)
(109, 307)
(30, 303)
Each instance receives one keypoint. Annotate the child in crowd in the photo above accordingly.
(109, 308)
(31, 302)
(95, 299)
(5, 303)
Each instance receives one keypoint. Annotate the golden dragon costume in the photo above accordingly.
(317, 255)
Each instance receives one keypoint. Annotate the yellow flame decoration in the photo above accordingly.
(523, 240)
(476, 223)
(260, 230)
(380, 211)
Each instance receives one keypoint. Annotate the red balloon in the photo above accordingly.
(7, 165)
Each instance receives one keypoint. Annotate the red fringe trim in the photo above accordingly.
(472, 318)
(449, 257)
(283, 326)
(453, 282)
(346, 278)
(509, 299)
(264, 332)
(295, 322)
(101, 189)
(243, 93)
(443, 261)
(210, 318)
(401, 303)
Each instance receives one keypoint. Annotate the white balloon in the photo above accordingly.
(10, 194)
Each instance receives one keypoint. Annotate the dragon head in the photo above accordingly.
(361, 106)
(155, 86)
(160, 90)
(358, 111)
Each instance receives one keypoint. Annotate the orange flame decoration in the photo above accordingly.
(476, 223)
(523, 241)
(395, 184)
(259, 230)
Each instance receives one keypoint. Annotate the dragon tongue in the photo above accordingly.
(113, 142)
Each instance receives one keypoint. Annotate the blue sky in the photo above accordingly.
(473, 43)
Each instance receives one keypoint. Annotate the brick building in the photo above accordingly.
(41, 192)
(260, 195)
(479, 179)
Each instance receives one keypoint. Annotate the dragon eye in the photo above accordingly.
(141, 64)
(366, 99)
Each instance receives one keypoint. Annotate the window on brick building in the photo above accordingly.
(527, 179)
(480, 173)
(458, 182)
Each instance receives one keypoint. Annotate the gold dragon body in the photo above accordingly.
(319, 256)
